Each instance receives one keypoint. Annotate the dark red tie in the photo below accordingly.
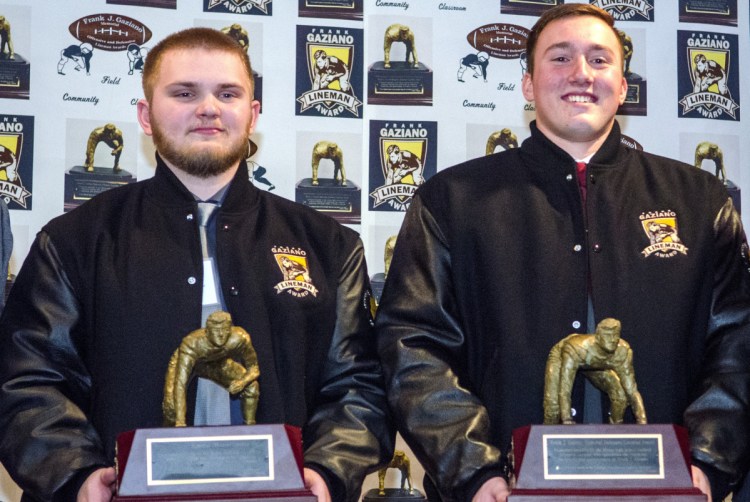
(581, 174)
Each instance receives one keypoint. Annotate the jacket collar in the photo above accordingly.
(167, 190)
(539, 150)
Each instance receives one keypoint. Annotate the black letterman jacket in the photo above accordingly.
(109, 290)
(490, 271)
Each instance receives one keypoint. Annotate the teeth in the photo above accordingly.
(580, 99)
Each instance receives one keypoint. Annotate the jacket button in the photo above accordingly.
(597, 248)
(234, 291)
(189, 217)
(577, 248)
(225, 227)
(592, 179)
(576, 324)
(191, 280)
(569, 177)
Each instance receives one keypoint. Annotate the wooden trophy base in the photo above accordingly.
(225, 463)
(610, 463)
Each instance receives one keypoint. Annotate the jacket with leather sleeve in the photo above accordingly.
(109, 290)
(495, 263)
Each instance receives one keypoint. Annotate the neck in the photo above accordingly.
(203, 188)
(576, 149)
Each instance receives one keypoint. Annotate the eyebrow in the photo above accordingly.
(568, 45)
(192, 85)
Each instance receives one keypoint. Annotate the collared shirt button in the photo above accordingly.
(189, 217)
(597, 248)
(234, 291)
(569, 177)
(576, 324)
(192, 280)
(577, 248)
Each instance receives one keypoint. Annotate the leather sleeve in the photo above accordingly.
(349, 433)
(718, 420)
(420, 341)
(44, 386)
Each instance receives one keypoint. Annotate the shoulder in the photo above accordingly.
(295, 219)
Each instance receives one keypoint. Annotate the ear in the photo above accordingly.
(623, 90)
(143, 109)
(527, 87)
(255, 113)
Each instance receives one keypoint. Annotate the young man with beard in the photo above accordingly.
(500, 258)
(108, 291)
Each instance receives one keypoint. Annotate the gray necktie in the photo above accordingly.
(212, 400)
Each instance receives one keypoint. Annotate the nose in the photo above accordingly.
(208, 106)
(581, 71)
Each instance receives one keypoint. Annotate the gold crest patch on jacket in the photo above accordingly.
(295, 272)
(661, 229)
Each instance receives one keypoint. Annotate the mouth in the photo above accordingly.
(579, 98)
(207, 130)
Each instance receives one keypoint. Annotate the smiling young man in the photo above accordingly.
(500, 258)
(108, 292)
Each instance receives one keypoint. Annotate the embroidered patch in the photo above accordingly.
(661, 229)
(295, 272)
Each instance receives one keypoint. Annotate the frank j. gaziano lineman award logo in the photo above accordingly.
(404, 153)
(709, 75)
(329, 71)
(661, 229)
(16, 160)
(295, 272)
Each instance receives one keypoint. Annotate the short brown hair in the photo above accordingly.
(191, 38)
(562, 11)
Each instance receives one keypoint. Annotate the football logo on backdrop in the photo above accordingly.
(709, 75)
(110, 32)
(16, 160)
(330, 81)
(499, 41)
(661, 230)
(295, 272)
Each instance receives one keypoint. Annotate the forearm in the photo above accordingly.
(349, 433)
(47, 437)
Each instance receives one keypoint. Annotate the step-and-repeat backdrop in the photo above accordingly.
(362, 100)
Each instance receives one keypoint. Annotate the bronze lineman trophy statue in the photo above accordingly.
(401, 462)
(15, 70)
(399, 82)
(563, 461)
(335, 196)
(235, 462)
(82, 182)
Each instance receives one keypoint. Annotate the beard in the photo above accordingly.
(198, 162)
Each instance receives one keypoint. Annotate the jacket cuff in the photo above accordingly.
(69, 491)
(720, 481)
(336, 487)
(470, 489)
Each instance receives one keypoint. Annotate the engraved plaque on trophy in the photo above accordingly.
(527, 7)
(233, 462)
(619, 463)
(722, 12)
(336, 9)
(15, 70)
(86, 181)
(407, 82)
(335, 196)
